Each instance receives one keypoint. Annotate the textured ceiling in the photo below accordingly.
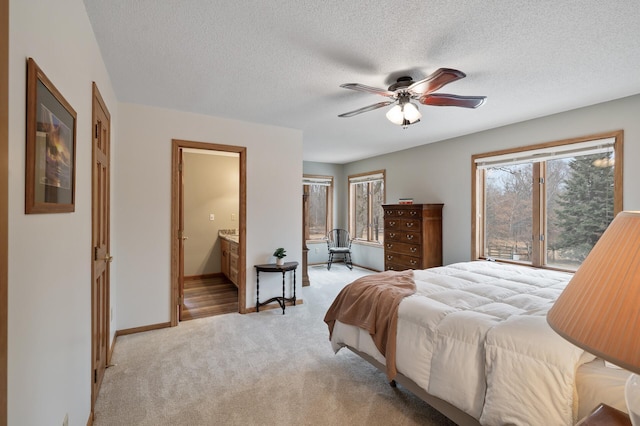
(281, 62)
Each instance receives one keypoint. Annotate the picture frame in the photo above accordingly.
(50, 146)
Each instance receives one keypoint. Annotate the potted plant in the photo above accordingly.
(280, 253)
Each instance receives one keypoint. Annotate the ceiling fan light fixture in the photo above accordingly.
(396, 115)
(411, 112)
(404, 114)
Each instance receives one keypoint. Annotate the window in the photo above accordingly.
(546, 205)
(319, 190)
(366, 197)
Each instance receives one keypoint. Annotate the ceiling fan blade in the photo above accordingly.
(443, 99)
(436, 80)
(363, 88)
(366, 109)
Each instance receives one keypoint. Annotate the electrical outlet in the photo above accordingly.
(65, 422)
(233, 216)
(212, 216)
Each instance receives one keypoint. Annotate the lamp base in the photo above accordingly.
(632, 397)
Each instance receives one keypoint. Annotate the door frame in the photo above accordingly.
(181, 236)
(176, 146)
(4, 206)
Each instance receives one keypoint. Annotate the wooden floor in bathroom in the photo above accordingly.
(208, 296)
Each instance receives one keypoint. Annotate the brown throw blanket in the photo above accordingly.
(371, 303)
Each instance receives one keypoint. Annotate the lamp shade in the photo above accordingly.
(411, 113)
(396, 115)
(599, 310)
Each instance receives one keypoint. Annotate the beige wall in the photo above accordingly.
(49, 324)
(142, 192)
(211, 186)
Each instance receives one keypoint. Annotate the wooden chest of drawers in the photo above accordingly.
(412, 236)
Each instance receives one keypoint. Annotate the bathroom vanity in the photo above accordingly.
(229, 256)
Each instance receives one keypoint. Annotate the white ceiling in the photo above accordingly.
(281, 62)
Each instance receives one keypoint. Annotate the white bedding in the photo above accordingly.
(475, 334)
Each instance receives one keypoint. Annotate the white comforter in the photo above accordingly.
(475, 335)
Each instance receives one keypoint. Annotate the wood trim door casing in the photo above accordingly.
(4, 205)
(176, 146)
(181, 236)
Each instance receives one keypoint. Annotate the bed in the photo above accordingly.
(472, 340)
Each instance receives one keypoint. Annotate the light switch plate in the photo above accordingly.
(212, 216)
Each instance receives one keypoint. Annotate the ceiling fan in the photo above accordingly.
(405, 89)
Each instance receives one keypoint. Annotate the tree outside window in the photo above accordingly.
(366, 216)
(549, 204)
(508, 226)
(319, 190)
(582, 208)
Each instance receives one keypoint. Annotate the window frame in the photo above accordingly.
(361, 178)
(307, 180)
(539, 195)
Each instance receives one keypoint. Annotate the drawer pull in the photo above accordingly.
(400, 212)
(409, 225)
(413, 249)
(413, 262)
(413, 213)
(392, 234)
(389, 257)
(389, 245)
(409, 237)
(390, 268)
(392, 224)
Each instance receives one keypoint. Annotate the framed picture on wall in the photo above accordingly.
(51, 147)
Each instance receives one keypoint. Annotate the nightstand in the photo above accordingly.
(605, 415)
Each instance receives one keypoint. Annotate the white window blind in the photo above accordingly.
(322, 181)
(366, 178)
(596, 146)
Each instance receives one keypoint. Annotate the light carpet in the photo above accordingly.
(254, 369)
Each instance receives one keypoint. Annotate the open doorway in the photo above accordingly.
(208, 211)
(210, 207)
